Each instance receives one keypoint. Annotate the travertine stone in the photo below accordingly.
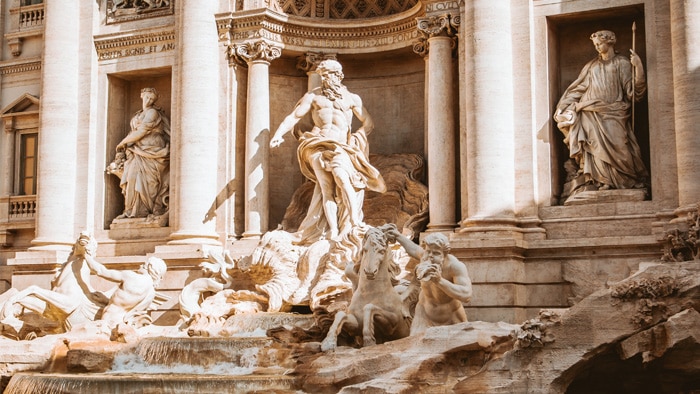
(195, 134)
(258, 56)
(58, 122)
(686, 83)
(441, 141)
(490, 105)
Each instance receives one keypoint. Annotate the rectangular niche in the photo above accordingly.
(123, 101)
(570, 49)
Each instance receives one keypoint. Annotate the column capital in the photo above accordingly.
(310, 60)
(253, 51)
(444, 25)
(439, 25)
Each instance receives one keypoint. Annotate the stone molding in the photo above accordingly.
(131, 43)
(18, 67)
(306, 34)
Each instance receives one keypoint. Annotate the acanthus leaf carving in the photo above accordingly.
(252, 51)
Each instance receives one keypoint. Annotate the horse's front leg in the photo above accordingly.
(374, 314)
(341, 318)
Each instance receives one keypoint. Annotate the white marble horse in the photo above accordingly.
(71, 300)
(377, 311)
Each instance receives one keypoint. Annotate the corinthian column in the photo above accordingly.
(440, 33)
(685, 32)
(58, 125)
(257, 55)
(195, 136)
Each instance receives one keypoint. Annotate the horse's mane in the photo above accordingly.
(378, 239)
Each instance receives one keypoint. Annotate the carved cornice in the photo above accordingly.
(18, 67)
(131, 43)
(254, 51)
(307, 34)
(309, 61)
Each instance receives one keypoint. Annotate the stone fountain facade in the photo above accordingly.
(462, 94)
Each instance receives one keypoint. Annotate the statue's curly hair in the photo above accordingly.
(605, 35)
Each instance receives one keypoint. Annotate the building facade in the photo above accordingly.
(471, 86)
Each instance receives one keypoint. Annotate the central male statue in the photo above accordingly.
(333, 156)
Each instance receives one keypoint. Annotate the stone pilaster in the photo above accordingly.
(489, 96)
(58, 126)
(195, 134)
(257, 55)
(685, 32)
(438, 44)
(8, 164)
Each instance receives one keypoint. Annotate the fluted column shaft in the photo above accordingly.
(195, 136)
(58, 125)
(258, 56)
(685, 34)
(441, 125)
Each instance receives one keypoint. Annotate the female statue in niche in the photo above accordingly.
(595, 116)
(142, 161)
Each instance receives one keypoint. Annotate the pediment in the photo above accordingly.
(24, 103)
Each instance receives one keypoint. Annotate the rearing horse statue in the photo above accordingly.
(376, 310)
(71, 300)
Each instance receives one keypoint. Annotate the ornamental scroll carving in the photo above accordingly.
(310, 60)
(247, 52)
(444, 25)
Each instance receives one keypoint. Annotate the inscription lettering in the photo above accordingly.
(135, 51)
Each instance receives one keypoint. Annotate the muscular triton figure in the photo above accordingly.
(445, 282)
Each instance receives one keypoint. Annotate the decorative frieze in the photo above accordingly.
(304, 34)
(444, 6)
(130, 10)
(20, 67)
(121, 45)
(345, 9)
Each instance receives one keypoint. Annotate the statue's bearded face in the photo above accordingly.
(331, 84)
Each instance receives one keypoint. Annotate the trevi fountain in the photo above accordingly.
(356, 196)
